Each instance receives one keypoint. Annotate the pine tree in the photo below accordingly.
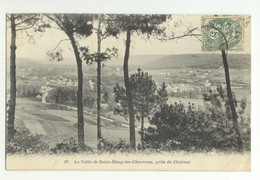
(142, 24)
(75, 25)
(145, 98)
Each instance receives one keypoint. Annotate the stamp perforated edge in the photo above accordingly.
(223, 16)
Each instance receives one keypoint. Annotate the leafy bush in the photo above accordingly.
(62, 95)
(70, 146)
(28, 90)
(218, 102)
(24, 142)
(67, 95)
(176, 127)
(112, 147)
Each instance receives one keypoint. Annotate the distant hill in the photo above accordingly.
(204, 61)
(26, 62)
(153, 62)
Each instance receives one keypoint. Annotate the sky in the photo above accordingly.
(36, 49)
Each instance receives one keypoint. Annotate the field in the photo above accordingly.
(58, 125)
(184, 71)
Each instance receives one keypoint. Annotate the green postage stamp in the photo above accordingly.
(222, 33)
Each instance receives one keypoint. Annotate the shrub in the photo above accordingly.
(176, 127)
(62, 95)
(28, 90)
(69, 146)
(24, 142)
(67, 95)
(112, 147)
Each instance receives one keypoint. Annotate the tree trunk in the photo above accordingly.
(79, 93)
(12, 103)
(142, 129)
(129, 92)
(98, 82)
(231, 100)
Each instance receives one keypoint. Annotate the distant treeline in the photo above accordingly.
(203, 61)
(28, 90)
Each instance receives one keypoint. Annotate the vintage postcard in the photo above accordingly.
(153, 92)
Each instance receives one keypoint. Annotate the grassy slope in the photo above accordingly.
(58, 125)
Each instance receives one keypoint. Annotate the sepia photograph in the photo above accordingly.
(128, 92)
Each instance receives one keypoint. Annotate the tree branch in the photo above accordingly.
(56, 22)
(30, 36)
(185, 35)
(28, 19)
(59, 43)
(25, 27)
(188, 33)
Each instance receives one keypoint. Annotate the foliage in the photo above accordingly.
(75, 26)
(89, 99)
(148, 24)
(89, 96)
(24, 142)
(146, 97)
(71, 24)
(176, 127)
(28, 90)
(29, 23)
(219, 102)
(67, 95)
(62, 95)
(194, 94)
(70, 146)
(55, 55)
(162, 94)
(105, 96)
(111, 102)
(112, 147)
(90, 58)
(17, 22)
(144, 92)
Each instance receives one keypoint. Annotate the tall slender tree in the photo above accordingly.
(141, 24)
(75, 25)
(231, 101)
(99, 77)
(18, 22)
(226, 36)
(12, 103)
(100, 57)
(223, 43)
(101, 35)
